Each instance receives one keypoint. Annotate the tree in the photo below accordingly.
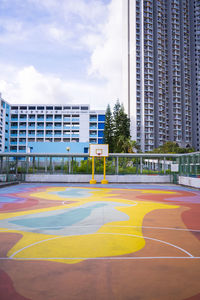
(172, 147)
(121, 129)
(117, 131)
(126, 145)
(108, 129)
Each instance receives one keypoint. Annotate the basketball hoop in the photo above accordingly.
(99, 152)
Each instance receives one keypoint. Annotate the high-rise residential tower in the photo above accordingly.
(195, 63)
(158, 71)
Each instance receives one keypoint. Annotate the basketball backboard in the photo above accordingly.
(98, 150)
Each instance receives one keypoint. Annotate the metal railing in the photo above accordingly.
(14, 166)
(189, 165)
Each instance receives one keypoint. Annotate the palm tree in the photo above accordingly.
(125, 145)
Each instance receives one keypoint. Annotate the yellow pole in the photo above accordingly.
(104, 168)
(104, 181)
(93, 181)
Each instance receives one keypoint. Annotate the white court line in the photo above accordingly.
(131, 235)
(34, 244)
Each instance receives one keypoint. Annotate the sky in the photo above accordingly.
(61, 51)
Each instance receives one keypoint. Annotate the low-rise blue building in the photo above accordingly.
(49, 128)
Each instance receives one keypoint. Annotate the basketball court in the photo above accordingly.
(99, 242)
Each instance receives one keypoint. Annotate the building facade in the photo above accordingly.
(49, 128)
(160, 40)
(195, 62)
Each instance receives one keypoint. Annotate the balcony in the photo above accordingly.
(93, 141)
(75, 135)
(22, 151)
(92, 135)
(24, 142)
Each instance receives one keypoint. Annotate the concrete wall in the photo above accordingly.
(189, 181)
(86, 178)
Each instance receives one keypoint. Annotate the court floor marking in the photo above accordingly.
(122, 234)
(100, 258)
(118, 226)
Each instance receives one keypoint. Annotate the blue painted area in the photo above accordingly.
(6, 200)
(101, 118)
(74, 193)
(100, 133)
(60, 220)
(57, 147)
(100, 141)
(25, 187)
(86, 149)
(101, 125)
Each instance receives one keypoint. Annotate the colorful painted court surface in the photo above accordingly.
(116, 242)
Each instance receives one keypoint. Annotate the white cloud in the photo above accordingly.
(96, 30)
(12, 31)
(106, 57)
(90, 10)
(27, 85)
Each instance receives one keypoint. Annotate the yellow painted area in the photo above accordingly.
(112, 239)
(96, 192)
